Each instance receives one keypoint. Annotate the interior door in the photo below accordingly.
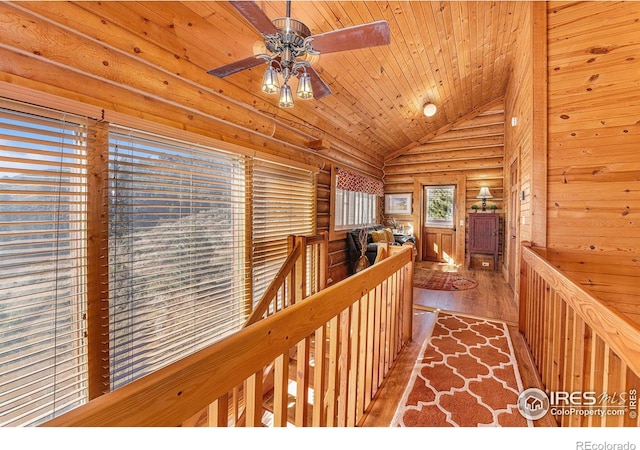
(439, 231)
(514, 213)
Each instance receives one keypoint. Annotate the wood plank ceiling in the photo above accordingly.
(454, 54)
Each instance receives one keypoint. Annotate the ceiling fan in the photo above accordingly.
(289, 42)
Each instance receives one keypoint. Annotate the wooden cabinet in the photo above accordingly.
(484, 232)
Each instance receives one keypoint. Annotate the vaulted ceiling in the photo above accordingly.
(454, 54)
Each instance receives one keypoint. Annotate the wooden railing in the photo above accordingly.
(579, 344)
(303, 273)
(345, 339)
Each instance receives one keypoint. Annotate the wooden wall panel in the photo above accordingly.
(473, 148)
(519, 142)
(593, 157)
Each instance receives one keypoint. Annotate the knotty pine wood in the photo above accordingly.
(455, 54)
(621, 334)
(493, 298)
(460, 151)
(577, 342)
(97, 254)
(160, 87)
(519, 100)
(151, 89)
(611, 278)
(594, 165)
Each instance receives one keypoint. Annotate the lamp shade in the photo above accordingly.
(484, 193)
(286, 97)
(429, 109)
(305, 91)
(270, 83)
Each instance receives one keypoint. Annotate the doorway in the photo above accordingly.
(439, 230)
(457, 229)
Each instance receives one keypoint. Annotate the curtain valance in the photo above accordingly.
(351, 181)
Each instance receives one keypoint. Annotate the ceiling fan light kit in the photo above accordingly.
(286, 97)
(290, 44)
(270, 84)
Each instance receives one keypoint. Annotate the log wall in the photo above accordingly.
(593, 154)
(473, 148)
(99, 66)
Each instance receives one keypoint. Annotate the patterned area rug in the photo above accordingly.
(441, 281)
(466, 376)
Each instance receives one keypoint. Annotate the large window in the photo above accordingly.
(283, 203)
(176, 250)
(191, 235)
(43, 196)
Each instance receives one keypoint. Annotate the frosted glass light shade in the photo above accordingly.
(305, 91)
(429, 109)
(286, 97)
(270, 83)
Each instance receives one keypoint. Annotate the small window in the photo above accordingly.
(439, 206)
(355, 200)
(354, 209)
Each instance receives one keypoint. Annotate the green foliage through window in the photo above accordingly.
(440, 205)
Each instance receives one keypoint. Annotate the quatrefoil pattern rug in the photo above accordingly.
(466, 376)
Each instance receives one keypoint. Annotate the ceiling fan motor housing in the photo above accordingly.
(291, 33)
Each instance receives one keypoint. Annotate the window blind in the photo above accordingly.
(177, 254)
(354, 209)
(42, 263)
(356, 200)
(283, 203)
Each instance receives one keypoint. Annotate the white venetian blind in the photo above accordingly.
(283, 203)
(42, 263)
(177, 253)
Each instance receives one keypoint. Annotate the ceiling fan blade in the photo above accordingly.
(360, 36)
(237, 66)
(255, 16)
(320, 88)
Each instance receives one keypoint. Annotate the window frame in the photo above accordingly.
(97, 194)
(49, 161)
(336, 233)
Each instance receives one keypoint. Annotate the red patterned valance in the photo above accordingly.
(350, 181)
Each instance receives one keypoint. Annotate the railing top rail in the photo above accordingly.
(616, 330)
(317, 239)
(175, 393)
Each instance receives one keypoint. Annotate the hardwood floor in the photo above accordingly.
(492, 298)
